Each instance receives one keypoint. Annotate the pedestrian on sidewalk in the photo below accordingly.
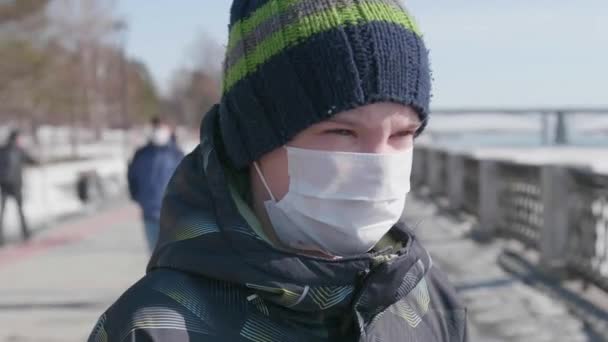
(13, 158)
(282, 225)
(149, 173)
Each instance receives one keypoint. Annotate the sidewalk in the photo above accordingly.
(55, 287)
(501, 306)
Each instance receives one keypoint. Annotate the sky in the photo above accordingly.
(484, 53)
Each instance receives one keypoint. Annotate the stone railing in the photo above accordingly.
(560, 211)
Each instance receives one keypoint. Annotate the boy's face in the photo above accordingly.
(376, 128)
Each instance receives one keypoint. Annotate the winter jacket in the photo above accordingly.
(12, 162)
(149, 173)
(213, 278)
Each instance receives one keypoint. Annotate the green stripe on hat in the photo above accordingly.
(251, 38)
(305, 27)
(244, 26)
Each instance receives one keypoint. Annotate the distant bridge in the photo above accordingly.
(560, 113)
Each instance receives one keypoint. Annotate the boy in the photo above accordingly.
(283, 224)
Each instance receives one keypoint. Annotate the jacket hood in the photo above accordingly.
(203, 234)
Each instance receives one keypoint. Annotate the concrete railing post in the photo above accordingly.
(489, 191)
(431, 166)
(434, 169)
(419, 168)
(456, 175)
(561, 129)
(554, 232)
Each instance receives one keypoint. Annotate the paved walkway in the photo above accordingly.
(55, 287)
(501, 306)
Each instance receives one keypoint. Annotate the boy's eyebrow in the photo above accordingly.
(344, 120)
(411, 124)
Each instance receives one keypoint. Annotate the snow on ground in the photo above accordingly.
(518, 138)
(50, 189)
(595, 158)
(520, 123)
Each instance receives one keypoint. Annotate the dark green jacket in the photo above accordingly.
(213, 278)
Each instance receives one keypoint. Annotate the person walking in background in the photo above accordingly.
(13, 158)
(149, 172)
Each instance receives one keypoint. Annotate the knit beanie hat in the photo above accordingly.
(294, 63)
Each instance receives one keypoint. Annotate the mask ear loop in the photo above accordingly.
(257, 168)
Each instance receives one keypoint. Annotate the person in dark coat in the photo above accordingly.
(149, 172)
(13, 158)
(283, 224)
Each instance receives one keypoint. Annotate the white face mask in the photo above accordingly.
(339, 203)
(160, 136)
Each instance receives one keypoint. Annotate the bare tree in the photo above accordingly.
(84, 26)
(64, 62)
(196, 86)
(19, 10)
(206, 55)
(22, 59)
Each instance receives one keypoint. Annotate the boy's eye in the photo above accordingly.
(403, 134)
(341, 132)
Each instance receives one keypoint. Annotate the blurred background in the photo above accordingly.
(510, 181)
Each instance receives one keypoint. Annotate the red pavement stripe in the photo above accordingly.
(68, 233)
